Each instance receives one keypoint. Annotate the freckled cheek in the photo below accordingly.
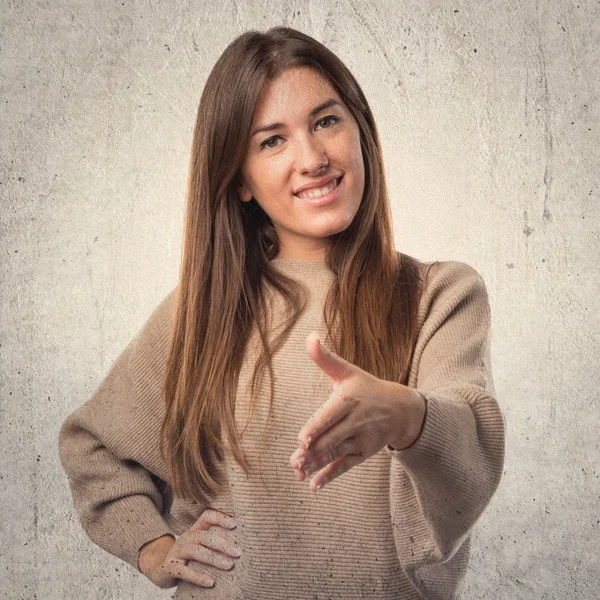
(359, 169)
(358, 178)
(353, 155)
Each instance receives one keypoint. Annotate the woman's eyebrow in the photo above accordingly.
(312, 113)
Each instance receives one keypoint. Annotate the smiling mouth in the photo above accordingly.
(316, 197)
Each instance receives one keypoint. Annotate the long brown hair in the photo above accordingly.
(226, 253)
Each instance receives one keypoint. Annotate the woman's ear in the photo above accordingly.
(243, 192)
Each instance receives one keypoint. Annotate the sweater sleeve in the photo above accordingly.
(108, 448)
(448, 476)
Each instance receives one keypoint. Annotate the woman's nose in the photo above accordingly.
(310, 155)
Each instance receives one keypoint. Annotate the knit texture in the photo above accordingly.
(397, 526)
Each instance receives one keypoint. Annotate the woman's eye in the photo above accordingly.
(335, 119)
(267, 142)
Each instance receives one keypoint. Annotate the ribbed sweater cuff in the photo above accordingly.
(437, 450)
(136, 521)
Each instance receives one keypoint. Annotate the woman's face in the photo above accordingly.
(287, 156)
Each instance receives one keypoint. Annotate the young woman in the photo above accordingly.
(188, 466)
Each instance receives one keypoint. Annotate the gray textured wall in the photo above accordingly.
(488, 113)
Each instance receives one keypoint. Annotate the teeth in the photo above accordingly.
(317, 193)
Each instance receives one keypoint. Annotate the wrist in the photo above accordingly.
(413, 419)
(153, 552)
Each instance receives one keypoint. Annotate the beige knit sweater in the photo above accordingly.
(397, 526)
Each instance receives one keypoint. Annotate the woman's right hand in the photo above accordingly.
(199, 543)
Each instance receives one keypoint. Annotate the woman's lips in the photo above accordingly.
(327, 198)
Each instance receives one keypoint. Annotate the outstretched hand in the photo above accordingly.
(362, 415)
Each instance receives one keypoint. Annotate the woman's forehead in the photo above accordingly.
(295, 92)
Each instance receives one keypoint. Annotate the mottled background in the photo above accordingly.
(488, 114)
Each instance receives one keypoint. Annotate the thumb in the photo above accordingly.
(336, 368)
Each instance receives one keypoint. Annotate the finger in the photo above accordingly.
(328, 361)
(207, 556)
(172, 561)
(216, 540)
(191, 573)
(334, 470)
(347, 447)
(327, 415)
(297, 455)
(301, 475)
(209, 517)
